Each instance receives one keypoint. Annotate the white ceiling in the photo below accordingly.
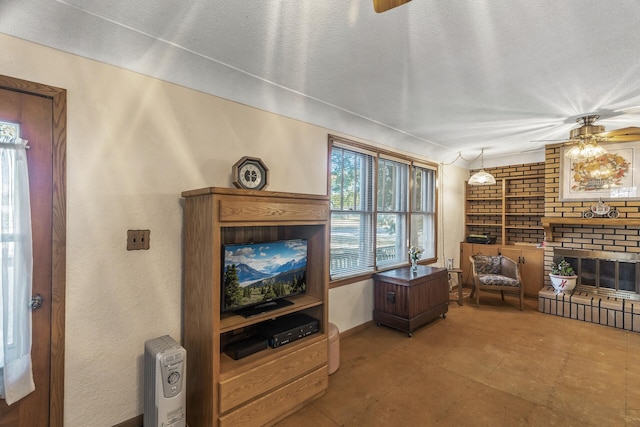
(433, 76)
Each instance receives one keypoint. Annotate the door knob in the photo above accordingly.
(36, 302)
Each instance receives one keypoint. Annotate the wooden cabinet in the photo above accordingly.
(270, 384)
(405, 300)
(531, 264)
(468, 249)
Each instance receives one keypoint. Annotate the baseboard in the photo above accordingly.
(133, 422)
(356, 329)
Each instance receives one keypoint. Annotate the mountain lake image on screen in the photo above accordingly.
(261, 275)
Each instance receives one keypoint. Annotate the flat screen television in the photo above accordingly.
(258, 277)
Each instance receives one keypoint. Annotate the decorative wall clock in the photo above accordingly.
(250, 173)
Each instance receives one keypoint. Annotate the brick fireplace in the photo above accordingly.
(610, 246)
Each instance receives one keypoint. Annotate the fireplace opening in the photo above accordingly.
(612, 274)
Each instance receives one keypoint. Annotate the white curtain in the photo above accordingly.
(16, 377)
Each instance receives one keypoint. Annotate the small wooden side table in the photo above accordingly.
(458, 280)
(405, 299)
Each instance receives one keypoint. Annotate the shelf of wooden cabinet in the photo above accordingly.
(230, 367)
(230, 321)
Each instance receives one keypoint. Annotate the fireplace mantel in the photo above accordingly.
(549, 222)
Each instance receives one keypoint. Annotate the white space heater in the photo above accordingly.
(165, 368)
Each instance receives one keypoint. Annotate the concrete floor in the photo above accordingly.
(487, 366)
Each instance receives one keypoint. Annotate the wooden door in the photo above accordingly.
(40, 124)
(530, 262)
(532, 271)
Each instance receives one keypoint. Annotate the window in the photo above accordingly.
(391, 215)
(352, 245)
(381, 203)
(423, 210)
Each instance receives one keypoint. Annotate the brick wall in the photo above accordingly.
(616, 238)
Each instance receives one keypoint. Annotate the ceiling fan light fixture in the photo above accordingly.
(587, 137)
(588, 129)
(481, 177)
(586, 149)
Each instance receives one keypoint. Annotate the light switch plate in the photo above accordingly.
(138, 239)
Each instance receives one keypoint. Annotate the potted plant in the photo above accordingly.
(563, 277)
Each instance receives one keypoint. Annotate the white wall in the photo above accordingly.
(452, 230)
(134, 144)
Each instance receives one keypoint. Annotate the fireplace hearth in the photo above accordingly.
(607, 292)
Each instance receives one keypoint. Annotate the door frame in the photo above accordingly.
(58, 237)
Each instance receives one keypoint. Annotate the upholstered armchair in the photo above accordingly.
(497, 273)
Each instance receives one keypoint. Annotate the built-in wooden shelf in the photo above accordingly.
(549, 222)
(505, 208)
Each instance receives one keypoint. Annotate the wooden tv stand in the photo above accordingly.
(266, 386)
(405, 300)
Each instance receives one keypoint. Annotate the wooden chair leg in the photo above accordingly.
(477, 297)
(502, 295)
(521, 298)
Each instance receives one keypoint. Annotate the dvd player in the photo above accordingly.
(287, 329)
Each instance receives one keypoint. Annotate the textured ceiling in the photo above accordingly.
(435, 77)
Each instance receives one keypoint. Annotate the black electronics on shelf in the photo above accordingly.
(286, 329)
(481, 238)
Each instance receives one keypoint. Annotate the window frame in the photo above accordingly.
(412, 162)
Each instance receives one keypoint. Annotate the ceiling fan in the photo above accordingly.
(587, 137)
(383, 5)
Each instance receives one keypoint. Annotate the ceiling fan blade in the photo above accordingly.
(383, 5)
(627, 134)
(624, 138)
(632, 130)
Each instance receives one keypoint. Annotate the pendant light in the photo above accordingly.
(481, 177)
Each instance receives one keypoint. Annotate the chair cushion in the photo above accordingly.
(487, 264)
(497, 280)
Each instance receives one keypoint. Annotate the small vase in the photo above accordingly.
(563, 284)
(414, 265)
